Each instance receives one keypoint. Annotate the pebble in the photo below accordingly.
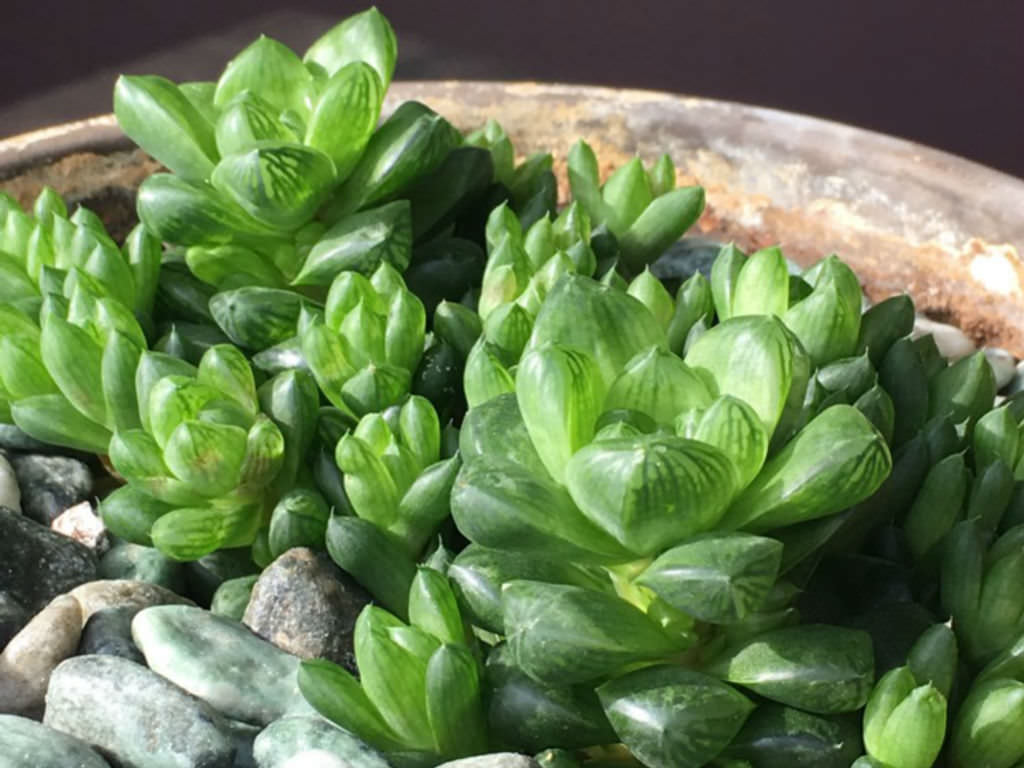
(243, 735)
(28, 744)
(310, 741)
(135, 716)
(10, 493)
(28, 660)
(220, 661)
(13, 439)
(305, 605)
(37, 564)
(99, 595)
(108, 632)
(137, 563)
(50, 484)
(1004, 365)
(951, 341)
(1017, 384)
(13, 617)
(80, 523)
(496, 760)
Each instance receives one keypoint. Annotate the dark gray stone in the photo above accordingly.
(134, 717)
(50, 484)
(304, 604)
(137, 563)
(13, 439)
(37, 564)
(109, 633)
(13, 617)
(28, 744)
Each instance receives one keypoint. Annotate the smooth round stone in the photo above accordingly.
(13, 617)
(135, 716)
(951, 341)
(31, 656)
(50, 484)
(1017, 384)
(243, 735)
(304, 604)
(10, 493)
(220, 661)
(294, 741)
(37, 564)
(98, 595)
(28, 744)
(108, 632)
(232, 597)
(1004, 365)
(496, 760)
(137, 563)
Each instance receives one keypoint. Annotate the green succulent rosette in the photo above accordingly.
(202, 459)
(71, 323)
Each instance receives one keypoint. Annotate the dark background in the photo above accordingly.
(944, 73)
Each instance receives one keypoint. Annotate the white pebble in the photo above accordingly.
(1004, 365)
(953, 343)
(81, 524)
(316, 758)
(10, 493)
(1017, 385)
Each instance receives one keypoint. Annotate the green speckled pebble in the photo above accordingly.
(28, 744)
(221, 662)
(312, 741)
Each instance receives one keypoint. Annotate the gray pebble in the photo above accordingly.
(1004, 365)
(28, 660)
(134, 716)
(10, 493)
(99, 595)
(13, 439)
(496, 760)
(37, 564)
(302, 740)
(951, 341)
(1017, 383)
(13, 617)
(304, 604)
(108, 632)
(221, 661)
(50, 484)
(28, 744)
(137, 563)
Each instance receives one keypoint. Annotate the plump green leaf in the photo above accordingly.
(732, 426)
(129, 514)
(206, 456)
(120, 360)
(904, 378)
(938, 505)
(485, 378)
(496, 429)
(653, 491)
(257, 318)
(189, 533)
(23, 372)
(725, 272)
(604, 322)
(560, 394)
(173, 400)
(693, 302)
(762, 287)
(432, 607)
(775, 736)
(662, 223)
(718, 578)
(563, 634)
(299, 519)
(272, 71)
(883, 324)
(984, 731)
(158, 117)
(75, 362)
(279, 183)
(814, 667)
(52, 419)
(229, 266)
(672, 717)
(964, 390)
(361, 242)
(292, 400)
(834, 462)
(454, 708)
(503, 505)
(365, 36)
(362, 549)
(247, 121)
(658, 383)
(264, 457)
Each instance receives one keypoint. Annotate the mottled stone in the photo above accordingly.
(134, 716)
(137, 563)
(496, 760)
(28, 660)
(50, 484)
(108, 632)
(13, 617)
(244, 736)
(10, 493)
(37, 564)
(306, 740)
(83, 525)
(28, 744)
(221, 661)
(304, 604)
(98, 595)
